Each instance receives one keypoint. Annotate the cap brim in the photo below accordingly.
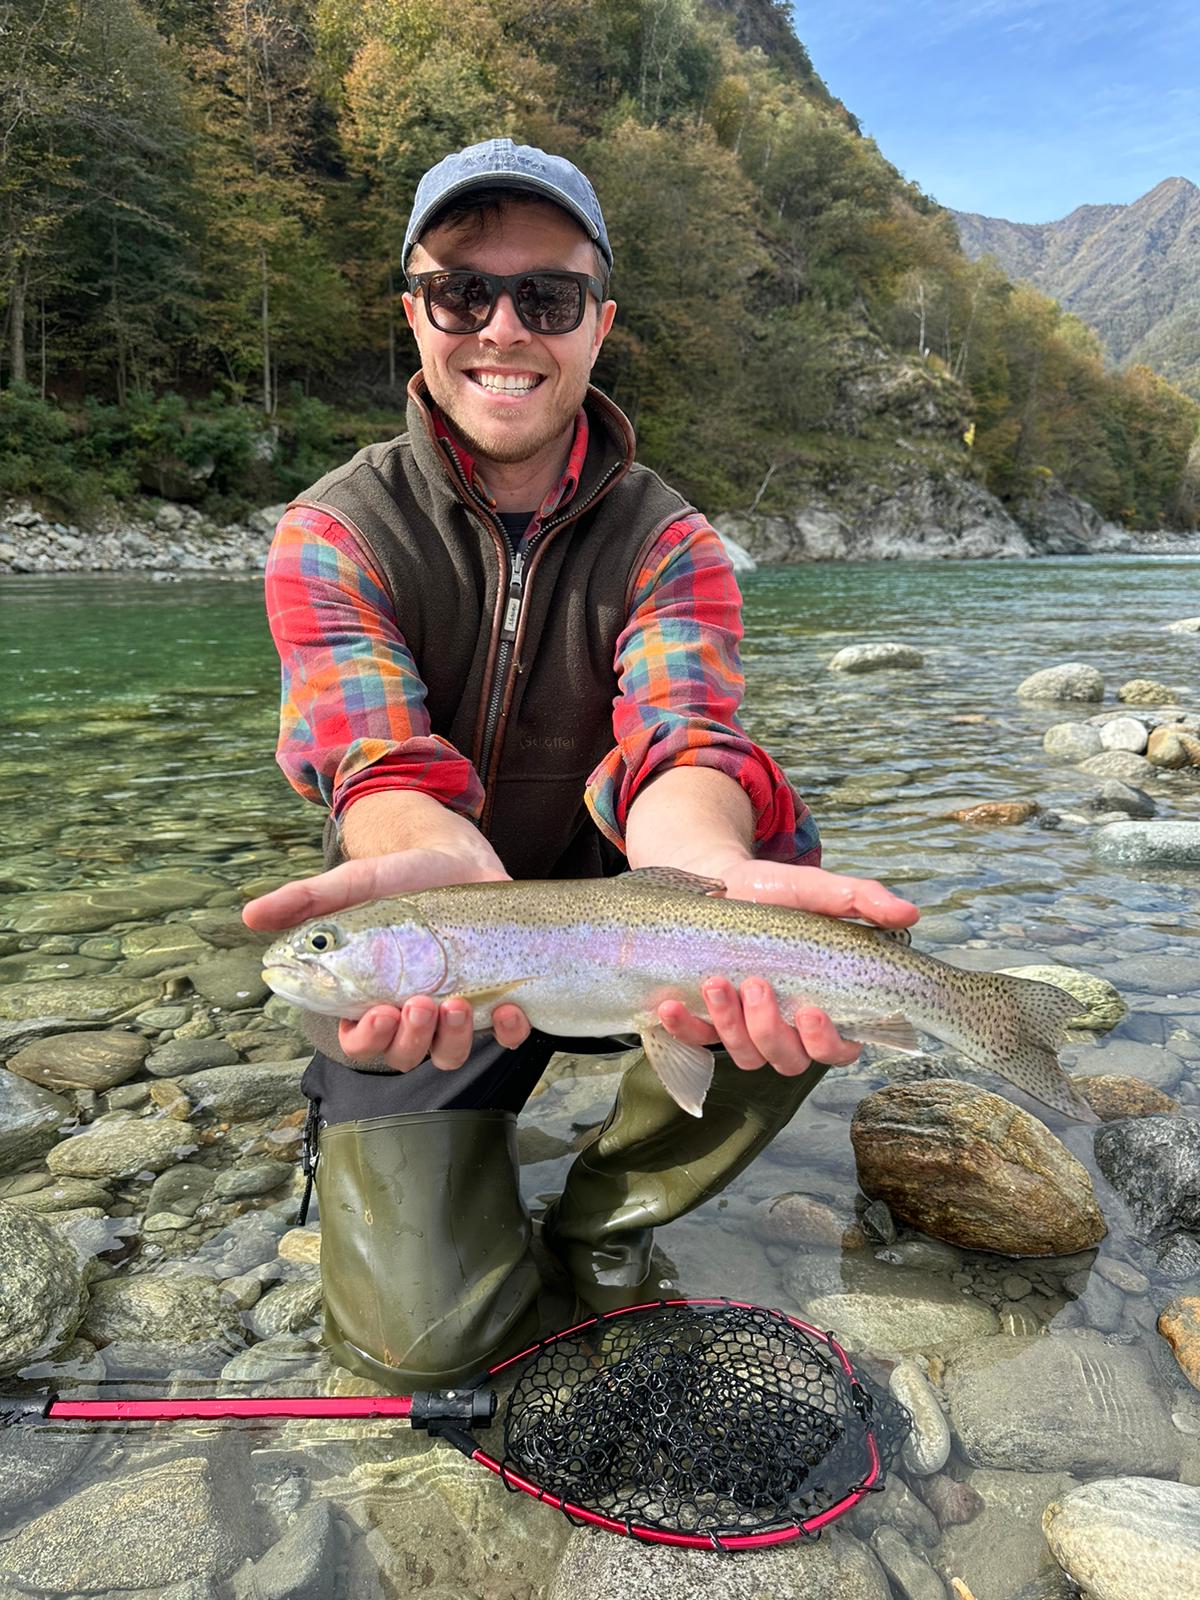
(501, 180)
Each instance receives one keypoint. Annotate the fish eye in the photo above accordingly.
(320, 940)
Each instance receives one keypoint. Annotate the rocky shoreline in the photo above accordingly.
(948, 518)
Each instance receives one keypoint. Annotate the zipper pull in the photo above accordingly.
(516, 585)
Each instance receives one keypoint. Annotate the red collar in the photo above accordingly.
(557, 497)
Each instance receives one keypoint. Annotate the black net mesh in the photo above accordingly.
(697, 1419)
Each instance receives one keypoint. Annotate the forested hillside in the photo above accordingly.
(202, 202)
(1130, 272)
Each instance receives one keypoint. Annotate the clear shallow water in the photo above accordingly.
(140, 722)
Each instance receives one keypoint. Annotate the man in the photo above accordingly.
(510, 651)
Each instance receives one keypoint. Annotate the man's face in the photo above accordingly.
(500, 424)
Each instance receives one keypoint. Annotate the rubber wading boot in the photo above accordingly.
(426, 1264)
(651, 1162)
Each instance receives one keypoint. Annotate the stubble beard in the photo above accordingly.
(505, 448)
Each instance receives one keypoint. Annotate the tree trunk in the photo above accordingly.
(268, 399)
(16, 325)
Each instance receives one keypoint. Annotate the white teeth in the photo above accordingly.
(504, 385)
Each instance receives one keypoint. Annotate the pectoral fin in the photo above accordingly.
(685, 1069)
(491, 997)
(895, 1032)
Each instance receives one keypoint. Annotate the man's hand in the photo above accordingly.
(749, 1024)
(401, 1037)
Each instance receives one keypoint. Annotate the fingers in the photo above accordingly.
(822, 1041)
(751, 1028)
(832, 894)
(510, 1025)
(420, 1029)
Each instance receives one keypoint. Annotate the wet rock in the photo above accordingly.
(131, 899)
(176, 1310)
(1172, 748)
(1002, 1551)
(1128, 1538)
(34, 1462)
(272, 1359)
(122, 1148)
(875, 658)
(969, 1167)
(899, 1508)
(838, 1567)
(1113, 1097)
(149, 951)
(63, 1194)
(249, 1090)
(1073, 741)
(92, 1060)
(996, 813)
(92, 999)
(231, 979)
(161, 1018)
(912, 1576)
(1179, 1324)
(1177, 1259)
(225, 930)
(302, 1245)
(800, 1221)
(1167, 844)
(292, 1308)
(1100, 1004)
(1120, 764)
(1154, 1064)
(954, 1504)
(1145, 692)
(535, 1144)
(182, 1190)
(30, 1120)
(1115, 796)
(184, 1056)
(249, 1241)
(1154, 1165)
(254, 1178)
(921, 1312)
(42, 1291)
(927, 1448)
(15, 1036)
(1184, 625)
(137, 1530)
(297, 1568)
(1124, 733)
(1072, 1404)
(1070, 681)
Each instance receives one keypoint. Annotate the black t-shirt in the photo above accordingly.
(515, 524)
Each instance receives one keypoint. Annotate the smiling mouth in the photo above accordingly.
(507, 384)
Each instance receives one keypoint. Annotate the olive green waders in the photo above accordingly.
(427, 1263)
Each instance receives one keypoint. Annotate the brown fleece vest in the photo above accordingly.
(445, 561)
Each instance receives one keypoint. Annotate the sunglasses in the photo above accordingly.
(465, 301)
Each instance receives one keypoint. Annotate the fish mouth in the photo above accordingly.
(308, 986)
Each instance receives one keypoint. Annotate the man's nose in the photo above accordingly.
(505, 327)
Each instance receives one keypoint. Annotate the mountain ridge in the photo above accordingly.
(1131, 272)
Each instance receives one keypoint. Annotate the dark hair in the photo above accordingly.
(473, 213)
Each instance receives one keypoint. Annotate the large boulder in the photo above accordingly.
(1128, 1538)
(94, 1060)
(1072, 680)
(31, 1120)
(1154, 1165)
(969, 1167)
(879, 657)
(42, 1292)
(122, 1147)
(1161, 844)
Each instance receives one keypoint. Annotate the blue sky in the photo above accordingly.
(1018, 108)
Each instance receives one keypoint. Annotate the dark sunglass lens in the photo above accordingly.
(459, 302)
(549, 303)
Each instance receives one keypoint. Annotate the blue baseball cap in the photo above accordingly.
(501, 164)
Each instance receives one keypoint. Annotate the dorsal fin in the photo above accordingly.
(901, 936)
(671, 878)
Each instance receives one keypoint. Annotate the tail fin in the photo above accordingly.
(1015, 1027)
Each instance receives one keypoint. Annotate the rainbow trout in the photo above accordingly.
(598, 956)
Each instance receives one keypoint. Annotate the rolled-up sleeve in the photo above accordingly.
(679, 690)
(353, 719)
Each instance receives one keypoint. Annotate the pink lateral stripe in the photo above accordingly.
(196, 1410)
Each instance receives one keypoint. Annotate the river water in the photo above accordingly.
(140, 721)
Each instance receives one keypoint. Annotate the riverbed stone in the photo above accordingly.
(35, 1461)
(135, 1530)
(1072, 680)
(175, 1310)
(122, 1148)
(1001, 1552)
(927, 1448)
(1154, 1165)
(880, 657)
(248, 1180)
(1073, 741)
(801, 1221)
(128, 899)
(1179, 1324)
(1120, 764)
(996, 813)
(249, 1090)
(99, 998)
(296, 1567)
(920, 1311)
(61, 1194)
(837, 1567)
(1127, 1538)
(953, 1502)
(969, 1167)
(1114, 796)
(912, 1576)
(89, 1060)
(1100, 1003)
(1173, 748)
(1113, 1097)
(178, 1057)
(1158, 843)
(181, 1190)
(1145, 692)
(1184, 625)
(1072, 1404)
(1124, 733)
(149, 951)
(42, 1290)
(292, 1308)
(31, 1120)
(231, 979)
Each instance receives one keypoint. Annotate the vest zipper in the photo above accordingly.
(508, 634)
